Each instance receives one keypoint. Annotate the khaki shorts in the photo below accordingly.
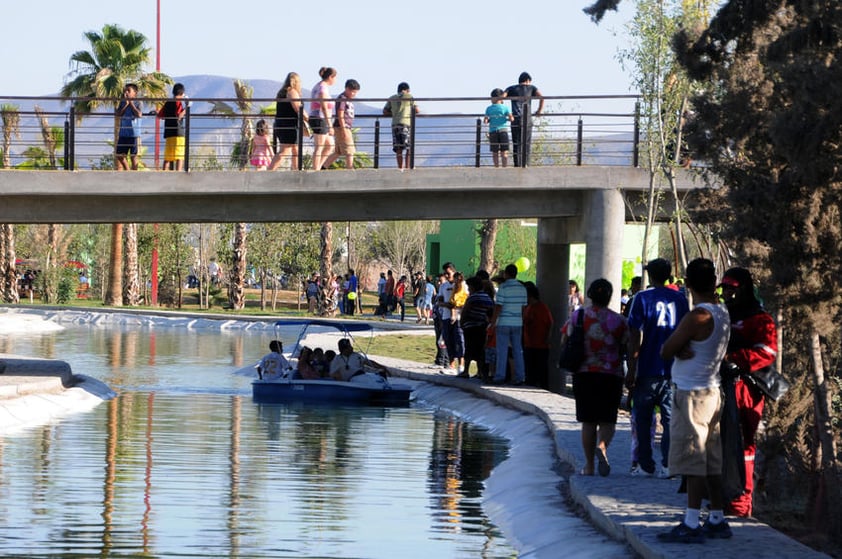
(344, 147)
(695, 443)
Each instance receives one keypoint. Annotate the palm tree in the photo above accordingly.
(236, 280)
(117, 57)
(10, 118)
(244, 93)
(240, 158)
(11, 129)
(53, 136)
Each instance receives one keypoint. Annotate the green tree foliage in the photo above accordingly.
(117, 57)
(769, 125)
(402, 245)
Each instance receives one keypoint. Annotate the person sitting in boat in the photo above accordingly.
(349, 364)
(319, 361)
(306, 370)
(273, 365)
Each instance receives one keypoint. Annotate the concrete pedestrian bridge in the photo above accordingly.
(573, 204)
(361, 195)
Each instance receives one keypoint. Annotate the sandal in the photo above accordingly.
(604, 467)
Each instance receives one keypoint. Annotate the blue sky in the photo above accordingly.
(442, 48)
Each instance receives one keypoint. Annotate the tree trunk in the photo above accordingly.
(114, 294)
(326, 250)
(826, 503)
(652, 199)
(10, 276)
(236, 292)
(263, 289)
(487, 241)
(131, 280)
(326, 260)
(50, 275)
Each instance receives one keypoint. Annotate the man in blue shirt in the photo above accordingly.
(653, 317)
(129, 112)
(507, 324)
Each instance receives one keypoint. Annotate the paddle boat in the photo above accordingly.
(365, 387)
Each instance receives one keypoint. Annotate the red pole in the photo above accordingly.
(154, 291)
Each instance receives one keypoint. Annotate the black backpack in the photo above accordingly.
(573, 352)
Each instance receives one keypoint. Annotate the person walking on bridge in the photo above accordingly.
(521, 96)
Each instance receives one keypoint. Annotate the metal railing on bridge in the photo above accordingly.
(46, 133)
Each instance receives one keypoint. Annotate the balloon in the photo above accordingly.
(352, 295)
(522, 264)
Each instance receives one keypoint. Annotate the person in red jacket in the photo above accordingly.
(753, 346)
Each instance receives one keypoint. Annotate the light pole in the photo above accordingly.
(154, 272)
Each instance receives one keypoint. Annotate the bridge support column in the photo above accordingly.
(552, 274)
(604, 218)
(600, 226)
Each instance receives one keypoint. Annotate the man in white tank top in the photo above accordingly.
(698, 346)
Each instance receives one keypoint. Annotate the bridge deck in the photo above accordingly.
(442, 193)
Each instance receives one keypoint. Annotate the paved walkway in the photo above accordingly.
(629, 509)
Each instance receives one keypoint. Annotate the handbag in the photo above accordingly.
(770, 381)
(573, 352)
(305, 129)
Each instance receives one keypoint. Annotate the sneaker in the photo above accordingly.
(683, 534)
(638, 471)
(717, 531)
(663, 473)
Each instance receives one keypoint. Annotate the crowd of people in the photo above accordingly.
(686, 366)
(328, 120)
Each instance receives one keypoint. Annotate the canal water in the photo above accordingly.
(183, 464)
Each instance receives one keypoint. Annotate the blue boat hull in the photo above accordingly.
(278, 391)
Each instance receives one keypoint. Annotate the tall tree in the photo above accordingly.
(664, 90)
(769, 124)
(52, 136)
(10, 277)
(98, 77)
(10, 117)
(237, 276)
(243, 94)
(487, 240)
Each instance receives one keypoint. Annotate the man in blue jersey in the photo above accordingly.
(654, 315)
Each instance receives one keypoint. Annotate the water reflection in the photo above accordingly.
(184, 463)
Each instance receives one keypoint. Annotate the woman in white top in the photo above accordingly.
(321, 120)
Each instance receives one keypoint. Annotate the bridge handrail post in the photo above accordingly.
(377, 143)
(187, 139)
(66, 145)
(525, 131)
(71, 140)
(479, 141)
(636, 146)
(580, 132)
(412, 120)
(300, 156)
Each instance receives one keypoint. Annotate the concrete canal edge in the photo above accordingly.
(628, 509)
(34, 390)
